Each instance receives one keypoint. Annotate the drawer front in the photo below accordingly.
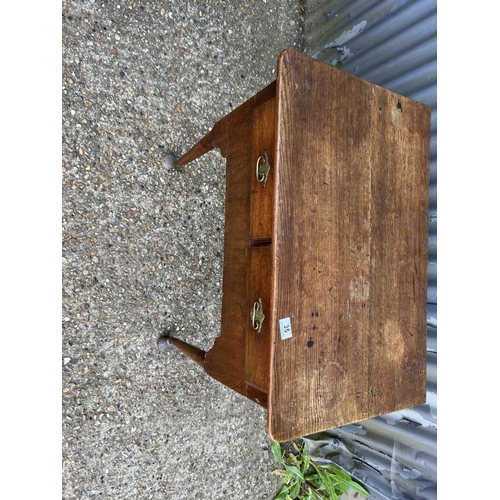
(262, 196)
(258, 336)
(257, 356)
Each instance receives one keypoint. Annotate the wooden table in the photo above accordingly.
(331, 248)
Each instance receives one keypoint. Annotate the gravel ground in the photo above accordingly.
(143, 247)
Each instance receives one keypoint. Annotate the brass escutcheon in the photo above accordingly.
(257, 315)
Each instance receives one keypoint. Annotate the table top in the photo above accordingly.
(349, 250)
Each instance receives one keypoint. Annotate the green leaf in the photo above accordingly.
(294, 492)
(319, 471)
(284, 492)
(276, 449)
(357, 487)
(281, 472)
(281, 496)
(337, 471)
(293, 471)
(292, 459)
(327, 481)
(346, 484)
(305, 464)
(313, 495)
(315, 480)
(342, 486)
(330, 487)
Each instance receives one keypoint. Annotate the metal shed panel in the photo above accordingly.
(392, 44)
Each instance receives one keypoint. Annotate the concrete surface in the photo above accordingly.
(143, 247)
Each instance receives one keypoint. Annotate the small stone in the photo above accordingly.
(117, 37)
(66, 360)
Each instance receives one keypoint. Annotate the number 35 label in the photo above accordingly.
(285, 328)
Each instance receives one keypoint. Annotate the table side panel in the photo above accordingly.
(226, 360)
(261, 230)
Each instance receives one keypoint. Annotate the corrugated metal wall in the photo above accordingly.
(392, 44)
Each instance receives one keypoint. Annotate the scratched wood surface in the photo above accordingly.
(349, 250)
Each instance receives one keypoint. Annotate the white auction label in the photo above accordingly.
(285, 328)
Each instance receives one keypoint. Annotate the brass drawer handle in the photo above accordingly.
(257, 315)
(262, 169)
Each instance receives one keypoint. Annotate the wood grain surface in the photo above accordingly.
(226, 361)
(335, 243)
(262, 201)
(349, 250)
(257, 360)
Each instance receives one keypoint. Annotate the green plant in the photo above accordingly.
(304, 479)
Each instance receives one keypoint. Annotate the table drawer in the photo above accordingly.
(262, 189)
(259, 318)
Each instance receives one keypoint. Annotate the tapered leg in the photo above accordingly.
(165, 342)
(217, 137)
(203, 146)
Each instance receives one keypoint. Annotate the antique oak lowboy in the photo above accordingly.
(325, 253)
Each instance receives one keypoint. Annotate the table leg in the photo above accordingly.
(203, 146)
(165, 341)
